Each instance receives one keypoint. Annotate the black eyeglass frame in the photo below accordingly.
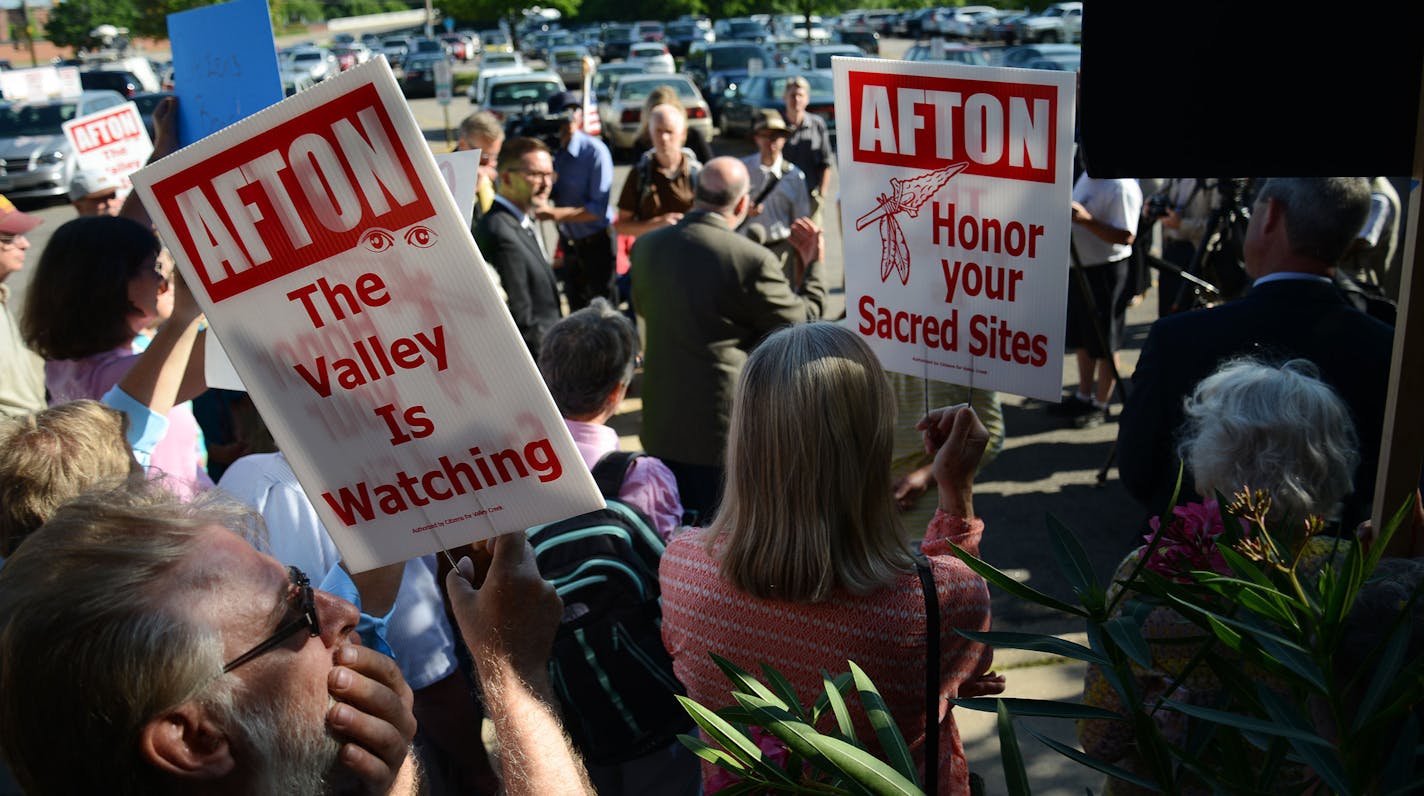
(308, 619)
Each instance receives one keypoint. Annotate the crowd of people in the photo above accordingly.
(160, 633)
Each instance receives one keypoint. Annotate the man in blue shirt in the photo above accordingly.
(580, 206)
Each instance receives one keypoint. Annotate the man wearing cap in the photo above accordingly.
(580, 205)
(778, 188)
(809, 145)
(22, 389)
(95, 193)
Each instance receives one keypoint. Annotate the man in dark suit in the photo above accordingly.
(1299, 229)
(707, 295)
(510, 240)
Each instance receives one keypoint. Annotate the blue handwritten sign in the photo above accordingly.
(224, 65)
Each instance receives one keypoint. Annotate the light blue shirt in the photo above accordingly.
(146, 427)
(585, 169)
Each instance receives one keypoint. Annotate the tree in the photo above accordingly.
(509, 11)
(70, 22)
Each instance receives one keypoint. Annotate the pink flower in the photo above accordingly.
(1187, 542)
(771, 746)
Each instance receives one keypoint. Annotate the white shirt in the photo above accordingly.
(788, 201)
(1114, 203)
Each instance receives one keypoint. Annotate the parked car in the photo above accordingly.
(350, 55)
(679, 36)
(653, 57)
(494, 41)
(461, 46)
(765, 91)
(1060, 22)
(622, 114)
(395, 49)
(317, 62)
(614, 42)
(819, 56)
(38, 159)
(1058, 62)
(861, 36)
(747, 30)
(940, 51)
(1005, 30)
(648, 31)
(567, 61)
(1025, 54)
(418, 74)
(146, 102)
(794, 25)
(781, 48)
(124, 82)
(723, 64)
(958, 23)
(507, 95)
(504, 65)
(608, 75)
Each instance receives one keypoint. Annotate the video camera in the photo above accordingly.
(535, 121)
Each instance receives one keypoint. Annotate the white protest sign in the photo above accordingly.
(319, 237)
(956, 183)
(113, 141)
(40, 83)
(460, 170)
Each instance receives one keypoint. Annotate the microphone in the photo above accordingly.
(756, 233)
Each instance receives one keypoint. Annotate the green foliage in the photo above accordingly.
(811, 762)
(1271, 631)
(70, 22)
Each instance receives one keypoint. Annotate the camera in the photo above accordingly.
(536, 122)
(1158, 205)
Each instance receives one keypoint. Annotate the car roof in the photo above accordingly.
(88, 95)
(635, 79)
(525, 77)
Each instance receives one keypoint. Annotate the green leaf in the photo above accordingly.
(823, 702)
(713, 754)
(862, 771)
(995, 576)
(1399, 764)
(1038, 707)
(744, 681)
(1254, 631)
(1245, 568)
(1382, 678)
(1092, 762)
(785, 690)
(1325, 762)
(892, 743)
(1245, 723)
(732, 740)
(1015, 776)
(838, 706)
(1129, 639)
(1297, 662)
(1074, 564)
(1037, 642)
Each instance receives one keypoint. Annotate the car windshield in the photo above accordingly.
(604, 79)
(646, 51)
(746, 30)
(617, 34)
(734, 57)
(823, 59)
(429, 46)
(966, 57)
(307, 57)
(638, 90)
(681, 30)
(495, 61)
(391, 44)
(493, 38)
(504, 94)
(22, 120)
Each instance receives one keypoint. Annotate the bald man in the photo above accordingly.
(707, 295)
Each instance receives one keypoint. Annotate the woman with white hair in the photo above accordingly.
(806, 565)
(1249, 426)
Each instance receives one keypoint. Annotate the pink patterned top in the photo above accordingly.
(883, 632)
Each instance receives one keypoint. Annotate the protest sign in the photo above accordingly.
(460, 170)
(955, 196)
(40, 83)
(113, 141)
(321, 240)
(224, 65)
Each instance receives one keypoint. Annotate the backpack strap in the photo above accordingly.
(611, 470)
(927, 585)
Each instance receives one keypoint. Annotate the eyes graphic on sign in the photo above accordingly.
(378, 240)
(420, 237)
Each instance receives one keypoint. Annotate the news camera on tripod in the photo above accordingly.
(1203, 225)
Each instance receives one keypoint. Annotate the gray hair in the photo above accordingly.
(1281, 429)
(94, 642)
(1323, 214)
(481, 124)
(585, 356)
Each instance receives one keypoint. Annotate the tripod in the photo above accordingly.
(1222, 224)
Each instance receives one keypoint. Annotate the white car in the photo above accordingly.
(652, 56)
(492, 65)
(622, 113)
(317, 62)
(508, 95)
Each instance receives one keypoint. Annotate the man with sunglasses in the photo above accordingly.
(147, 647)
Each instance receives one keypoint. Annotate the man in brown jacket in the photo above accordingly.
(707, 295)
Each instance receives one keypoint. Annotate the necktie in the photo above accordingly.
(538, 239)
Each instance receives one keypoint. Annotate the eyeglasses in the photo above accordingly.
(547, 176)
(306, 602)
